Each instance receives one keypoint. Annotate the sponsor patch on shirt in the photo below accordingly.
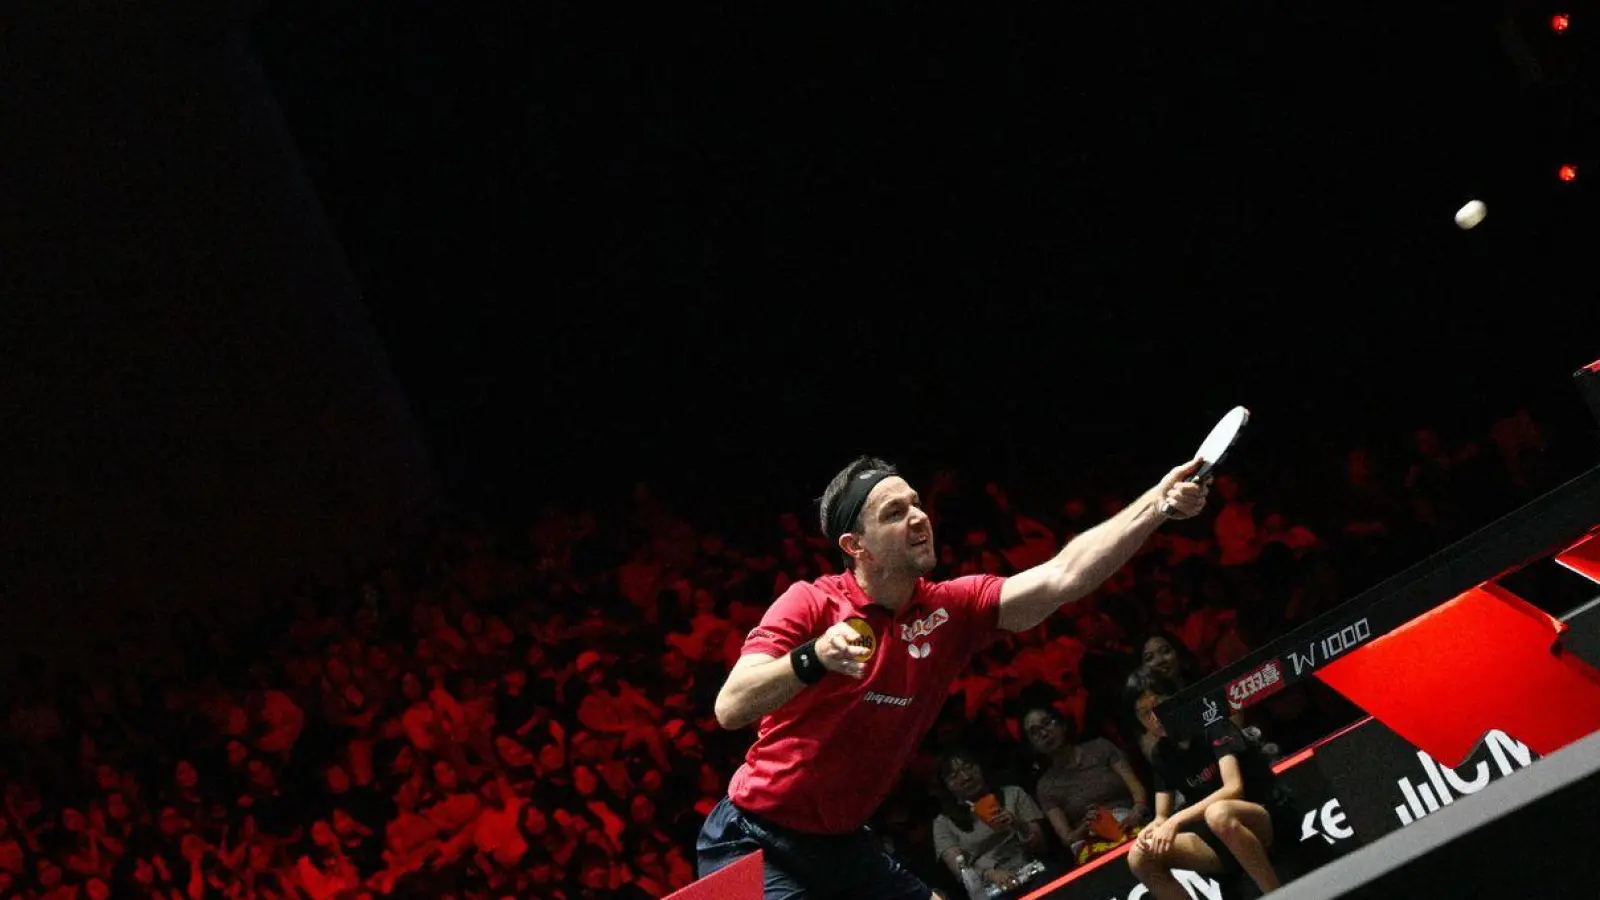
(921, 628)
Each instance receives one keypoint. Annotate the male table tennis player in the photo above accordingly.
(846, 674)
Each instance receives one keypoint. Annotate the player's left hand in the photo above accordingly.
(1181, 498)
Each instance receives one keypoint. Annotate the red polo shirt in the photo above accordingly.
(824, 761)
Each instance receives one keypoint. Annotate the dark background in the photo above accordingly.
(691, 243)
(280, 275)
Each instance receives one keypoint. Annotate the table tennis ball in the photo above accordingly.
(1470, 215)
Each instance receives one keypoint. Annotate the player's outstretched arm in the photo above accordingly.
(1085, 563)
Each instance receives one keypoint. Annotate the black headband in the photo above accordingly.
(847, 508)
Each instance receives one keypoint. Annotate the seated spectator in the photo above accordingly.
(1164, 654)
(986, 834)
(1236, 810)
(1083, 785)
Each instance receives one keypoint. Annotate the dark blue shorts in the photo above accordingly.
(806, 866)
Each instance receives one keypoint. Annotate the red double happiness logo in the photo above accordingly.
(1260, 682)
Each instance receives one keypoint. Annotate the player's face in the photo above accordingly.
(895, 531)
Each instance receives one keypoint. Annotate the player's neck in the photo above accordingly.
(887, 589)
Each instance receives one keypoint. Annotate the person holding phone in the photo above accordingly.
(996, 833)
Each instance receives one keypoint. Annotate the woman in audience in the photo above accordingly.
(1089, 793)
(986, 834)
(1162, 653)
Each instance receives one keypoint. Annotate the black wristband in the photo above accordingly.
(807, 665)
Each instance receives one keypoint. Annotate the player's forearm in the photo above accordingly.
(1091, 558)
(753, 691)
(1082, 565)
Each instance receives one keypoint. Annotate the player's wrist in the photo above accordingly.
(807, 664)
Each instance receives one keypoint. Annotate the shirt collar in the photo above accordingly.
(859, 599)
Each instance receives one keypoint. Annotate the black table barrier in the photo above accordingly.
(1352, 788)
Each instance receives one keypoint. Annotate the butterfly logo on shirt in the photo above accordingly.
(919, 651)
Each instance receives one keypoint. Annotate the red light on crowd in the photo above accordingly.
(1559, 22)
(1567, 173)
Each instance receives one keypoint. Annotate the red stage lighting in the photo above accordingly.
(1560, 22)
(1567, 172)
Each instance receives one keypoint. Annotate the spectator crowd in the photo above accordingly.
(526, 712)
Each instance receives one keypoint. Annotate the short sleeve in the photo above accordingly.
(790, 621)
(1021, 805)
(1158, 764)
(978, 597)
(1226, 740)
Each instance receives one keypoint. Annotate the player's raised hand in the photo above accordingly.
(1182, 498)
